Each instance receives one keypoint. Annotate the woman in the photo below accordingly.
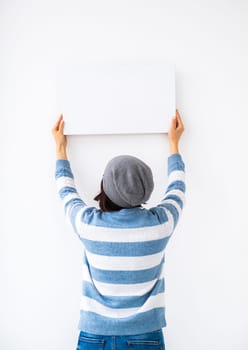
(122, 304)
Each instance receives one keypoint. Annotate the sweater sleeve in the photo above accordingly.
(67, 191)
(174, 199)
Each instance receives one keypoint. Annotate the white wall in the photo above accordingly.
(207, 262)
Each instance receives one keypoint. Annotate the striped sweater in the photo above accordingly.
(123, 256)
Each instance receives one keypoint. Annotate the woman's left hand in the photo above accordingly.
(60, 138)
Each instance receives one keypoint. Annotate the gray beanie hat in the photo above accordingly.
(127, 181)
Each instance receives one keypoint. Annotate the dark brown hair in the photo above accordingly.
(105, 203)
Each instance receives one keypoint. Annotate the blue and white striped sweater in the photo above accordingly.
(123, 282)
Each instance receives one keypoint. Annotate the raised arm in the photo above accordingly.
(64, 177)
(173, 201)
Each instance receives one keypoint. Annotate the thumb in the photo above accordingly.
(61, 126)
(174, 123)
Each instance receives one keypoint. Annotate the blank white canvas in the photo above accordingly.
(116, 98)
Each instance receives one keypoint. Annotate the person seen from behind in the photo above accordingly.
(123, 245)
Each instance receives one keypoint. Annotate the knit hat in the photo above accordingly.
(127, 181)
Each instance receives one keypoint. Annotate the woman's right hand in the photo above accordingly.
(175, 132)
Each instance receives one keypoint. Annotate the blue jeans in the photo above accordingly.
(147, 341)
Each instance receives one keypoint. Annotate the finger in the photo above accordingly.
(61, 126)
(179, 119)
(56, 126)
(173, 122)
(178, 114)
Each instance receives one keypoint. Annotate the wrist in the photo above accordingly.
(174, 148)
(61, 152)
